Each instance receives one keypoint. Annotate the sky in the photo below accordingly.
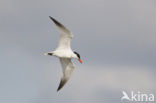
(115, 38)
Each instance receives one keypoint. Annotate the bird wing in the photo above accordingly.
(65, 35)
(68, 68)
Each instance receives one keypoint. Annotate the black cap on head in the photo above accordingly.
(78, 55)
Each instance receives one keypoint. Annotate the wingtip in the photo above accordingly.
(62, 83)
(51, 18)
(58, 88)
(58, 23)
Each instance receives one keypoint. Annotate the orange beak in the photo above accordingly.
(80, 60)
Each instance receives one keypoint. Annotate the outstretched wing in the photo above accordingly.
(65, 36)
(68, 68)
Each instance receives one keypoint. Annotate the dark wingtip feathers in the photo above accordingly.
(56, 22)
(62, 83)
(51, 18)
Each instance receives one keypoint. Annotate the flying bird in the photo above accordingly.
(64, 52)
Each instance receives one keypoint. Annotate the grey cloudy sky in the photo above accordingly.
(116, 40)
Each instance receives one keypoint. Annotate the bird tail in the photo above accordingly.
(49, 53)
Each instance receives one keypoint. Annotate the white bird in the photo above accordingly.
(64, 52)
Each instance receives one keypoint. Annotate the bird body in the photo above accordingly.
(64, 52)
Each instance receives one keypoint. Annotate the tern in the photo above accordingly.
(64, 52)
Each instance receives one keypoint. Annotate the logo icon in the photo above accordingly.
(125, 96)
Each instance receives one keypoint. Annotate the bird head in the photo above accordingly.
(78, 56)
